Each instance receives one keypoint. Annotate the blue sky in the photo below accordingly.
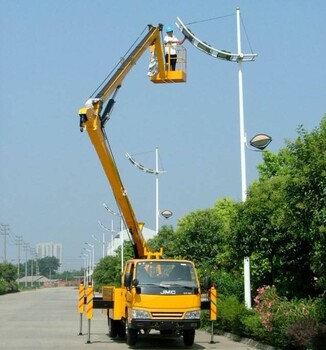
(55, 53)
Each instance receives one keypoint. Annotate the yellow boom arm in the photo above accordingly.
(90, 120)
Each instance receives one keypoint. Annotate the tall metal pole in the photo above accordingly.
(121, 232)
(156, 183)
(122, 242)
(5, 233)
(19, 241)
(246, 263)
(31, 253)
(156, 172)
(26, 247)
(103, 247)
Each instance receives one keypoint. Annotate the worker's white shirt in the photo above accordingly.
(170, 44)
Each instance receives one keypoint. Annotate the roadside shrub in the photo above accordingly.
(252, 327)
(205, 322)
(230, 313)
(3, 286)
(227, 283)
(321, 309)
(319, 341)
(302, 332)
(230, 284)
(281, 318)
(12, 287)
(8, 287)
(288, 324)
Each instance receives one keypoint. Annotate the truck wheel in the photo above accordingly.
(188, 337)
(132, 336)
(113, 328)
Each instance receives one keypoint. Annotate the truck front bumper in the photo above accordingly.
(164, 324)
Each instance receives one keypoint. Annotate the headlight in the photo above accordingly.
(140, 314)
(190, 315)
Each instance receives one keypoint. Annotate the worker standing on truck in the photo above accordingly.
(170, 42)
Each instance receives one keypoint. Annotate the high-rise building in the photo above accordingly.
(115, 241)
(50, 249)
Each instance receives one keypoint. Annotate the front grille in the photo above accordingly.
(167, 315)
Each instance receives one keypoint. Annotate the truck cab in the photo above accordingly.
(162, 295)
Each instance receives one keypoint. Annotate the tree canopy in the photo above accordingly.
(282, 223)
(281, 226)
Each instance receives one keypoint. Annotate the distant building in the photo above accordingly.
(115, 242)
(50, 249)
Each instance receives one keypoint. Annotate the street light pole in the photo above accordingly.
(156, 190)
(246, 262)
(111, 231)
(155, 172)
(121, 232)
(103, 243)
(85, 269)
(238, 57)
(92, 246)
(91, 261)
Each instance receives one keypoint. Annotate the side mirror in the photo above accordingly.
(127, 280)
(207, 282)
(135, 282)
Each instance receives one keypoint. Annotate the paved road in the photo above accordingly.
(47, 319)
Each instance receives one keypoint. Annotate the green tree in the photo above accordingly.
(8, 276)
(262, 232)
(226, 210)
(48, 266)
(282, 223)
(198, 236)
(164, 239)
(107, 272)
(306, 193)
(8, 272)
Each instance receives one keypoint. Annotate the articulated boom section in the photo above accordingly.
(152, 38)
(93, 122)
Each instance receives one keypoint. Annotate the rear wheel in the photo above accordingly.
(188, 337)
(132, 336)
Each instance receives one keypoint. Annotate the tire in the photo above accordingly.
(188, 337)
(132, 336)
(113, 327)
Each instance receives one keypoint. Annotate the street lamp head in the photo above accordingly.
(260, 141)
(167, 214)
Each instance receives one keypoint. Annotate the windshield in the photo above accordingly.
(166, 273)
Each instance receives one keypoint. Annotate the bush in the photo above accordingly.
(230, 284)
(230, 314)
(319, 341)
(302, 332)
(296, 324)
(3, 286)
(8, 287)
(252, 326)
(286, 322)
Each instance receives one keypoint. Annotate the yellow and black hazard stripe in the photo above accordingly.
(213, 304)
